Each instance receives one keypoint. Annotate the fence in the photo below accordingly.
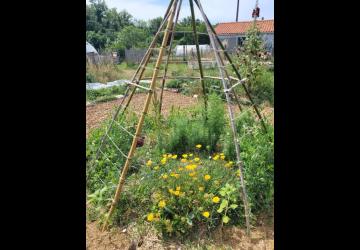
(134, 55)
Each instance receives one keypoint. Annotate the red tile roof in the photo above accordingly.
(241, 27)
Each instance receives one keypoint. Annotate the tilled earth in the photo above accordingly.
(261, 238)
(97, 113)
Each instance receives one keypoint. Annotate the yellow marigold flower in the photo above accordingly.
(162, 204)
(207, 177)
(174, 175)
(178, 188)
(216, 199)
(192, 174)
(177, 193)
(169, 156)
(149, 163)
(174, 156)
(163, 161)
(238, 173)
(206, 214)
(196, 159)
(201, 189)
(198, 146)
(181, 169)
(150, 217)
(190, 155)
(164, 155)
(222, 157)
(185, 156)
(216, 157)
(165, 176)
(229, 164)
(171, 190)
(156, 168)
(183, 160)
(191, 167)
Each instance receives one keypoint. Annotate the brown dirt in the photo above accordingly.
(262, 238)
(97, 113)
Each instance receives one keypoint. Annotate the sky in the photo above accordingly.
(216, 10)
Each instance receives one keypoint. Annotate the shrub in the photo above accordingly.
(106, 94)
(190, 127)
(181, 193)
(257, 153)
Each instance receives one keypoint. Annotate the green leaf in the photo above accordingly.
(225, 219)
(223, 204)
(233, 206)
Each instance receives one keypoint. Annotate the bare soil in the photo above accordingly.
(261, 238)
(95, 114)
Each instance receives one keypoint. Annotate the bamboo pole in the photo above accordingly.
(141, 66)
(168, 57)
(198, 55)
(232, 123)
(141, 120)
(234, 68)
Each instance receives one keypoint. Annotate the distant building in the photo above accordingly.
(91, 53)
(190, 50)
(233, 34)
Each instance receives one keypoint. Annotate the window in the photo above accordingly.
(241, 40)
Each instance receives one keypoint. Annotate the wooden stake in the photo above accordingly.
(234, 68)
(232, 123)
(198, 55)
(141, 120)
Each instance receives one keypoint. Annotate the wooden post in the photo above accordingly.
(141, 120)
(169, 53)
(198, 56)
(232, 120)
(140, 68)
(234, 68)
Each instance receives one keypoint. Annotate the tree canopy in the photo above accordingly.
(108, 29)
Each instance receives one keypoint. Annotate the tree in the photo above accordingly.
(154, 25)
(131, 37)
(249, 56)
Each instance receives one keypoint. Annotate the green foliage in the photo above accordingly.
(131, 37)
(257, 153)
(178, 196)
(99, 95)
(188, 130)
(176, 84)
(105, 170)
(102, 23)
(260, 80)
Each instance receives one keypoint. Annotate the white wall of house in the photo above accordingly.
(231, 42)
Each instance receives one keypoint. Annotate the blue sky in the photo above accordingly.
(216, 10)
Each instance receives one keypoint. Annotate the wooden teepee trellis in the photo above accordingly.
(169, 22)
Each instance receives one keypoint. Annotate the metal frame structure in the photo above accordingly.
(170, 20)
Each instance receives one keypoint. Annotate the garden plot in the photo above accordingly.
(98, 113)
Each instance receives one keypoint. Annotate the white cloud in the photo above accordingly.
(216, 10)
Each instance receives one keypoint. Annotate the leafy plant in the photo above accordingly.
(229, 201)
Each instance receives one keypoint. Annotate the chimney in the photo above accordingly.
(262, 18)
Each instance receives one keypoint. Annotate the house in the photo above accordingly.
(233, 34)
